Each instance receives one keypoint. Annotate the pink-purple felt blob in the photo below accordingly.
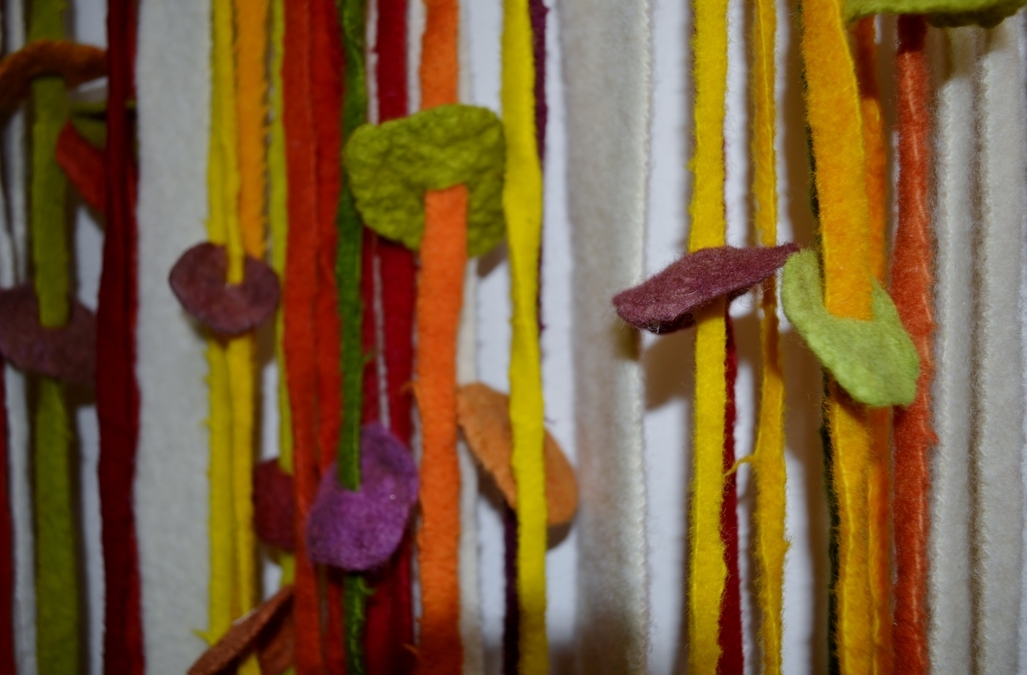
(199, 281)
(67, 353)
(360, 530)
(668, 301)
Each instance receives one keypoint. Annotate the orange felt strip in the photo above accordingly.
(911, 288)
(251, 43)
(439, 53)
(76, 63)
(439, 299)
(878, 489)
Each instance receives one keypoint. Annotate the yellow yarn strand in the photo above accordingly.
(522, 203)
(769, 461)
(835, 120)
(707, 571)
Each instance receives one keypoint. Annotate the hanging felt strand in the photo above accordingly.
(732, 659)
(7, 641)
(117, 393)
(707, 570)
(769, 464)
(878, 489)
(834, 116)
(58, 645)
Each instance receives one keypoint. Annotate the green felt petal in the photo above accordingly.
(875, 361)
(392, 165)
(987, 13)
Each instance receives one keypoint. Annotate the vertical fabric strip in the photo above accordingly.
(949, 577)
(998, 438)
(522, 206)
(606, 49)
(732, 659)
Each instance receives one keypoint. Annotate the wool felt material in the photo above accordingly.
(987, 13)
(67, 353)
(359, 530)
(243, 636)
(606, 51)
(73, 62)
(172, 486)
(522, 207)
(392, 165)
(251, 55)
(769, 468)
(438, 69)
(912, 286)
(668, 301)
(300, 294)
(537, 12)
(875, 361)
(949, 575)
(484, 417)
(199, 281)
(732, 658)
(274, 507)
(7, 636)
(85, 167)
(512, 617)
(834, 117)
(878, 473)
(706, 568)
(998, 437)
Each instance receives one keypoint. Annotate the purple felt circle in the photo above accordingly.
(198, 281)
(360, 530)
(67, 353)
(667, 301)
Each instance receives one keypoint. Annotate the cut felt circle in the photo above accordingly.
(274, 505)
(484, 415)
(359, 530)
(874, 361)
(67, 353)
(667, 301)
(198, 280)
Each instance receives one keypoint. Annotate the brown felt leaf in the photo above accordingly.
(274, 505)
(244, 636)
(76, 63)
(667, 301)
(484, 415)
(276, 646)
(198, 281)
(67, 353)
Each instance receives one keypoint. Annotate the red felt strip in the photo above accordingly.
(300, 295)
(85, 167)
(911, 288)
(117, 393)
(6, 545)
(731, 657)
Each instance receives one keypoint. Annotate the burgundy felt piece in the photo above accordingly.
(537, 10)
(512, 616)
(359, 530)
(67, 353)
(198, 281)
(667, 301)
(732, 659)
(7, 664)
(117, 392)
(274, 506)
(85, 166)
(244, 635)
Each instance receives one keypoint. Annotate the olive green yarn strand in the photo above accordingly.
(58, 599)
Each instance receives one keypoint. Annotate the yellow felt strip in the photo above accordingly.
(522, 204)
(769, 466)
(707, 571)
(835, 120)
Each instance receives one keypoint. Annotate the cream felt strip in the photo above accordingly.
(998, 433)
(949, 577)
(173, 76)
(606, 49)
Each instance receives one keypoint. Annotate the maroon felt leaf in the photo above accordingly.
(274, 505)
(67, 353)
(198, 281)
(667, 301)
(360, 530)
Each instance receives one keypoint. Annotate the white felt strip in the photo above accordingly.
(173, 76)
(949, 578)
(15, 239)
(998, 437)
(606, 50)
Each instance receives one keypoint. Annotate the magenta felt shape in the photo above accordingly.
(667, 302)
(360, 530)
(67, 353)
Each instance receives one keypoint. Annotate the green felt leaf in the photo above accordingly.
(875, 361)
(987, 13)
(392, 165)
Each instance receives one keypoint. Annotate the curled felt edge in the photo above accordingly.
(75, 63)
(874, 361)
(242, 637)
